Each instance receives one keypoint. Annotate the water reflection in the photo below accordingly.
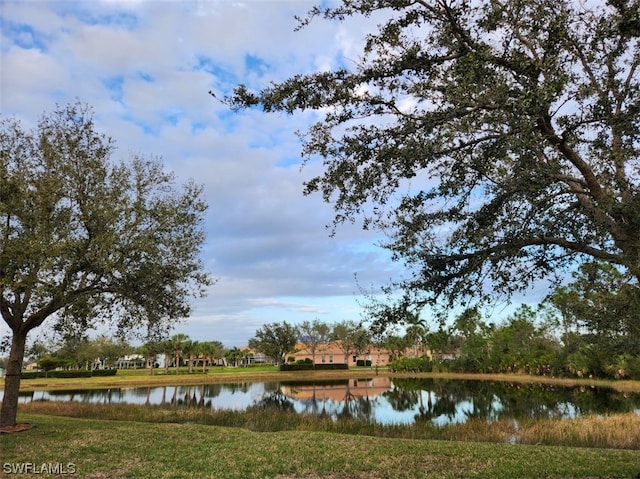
(378, 399)
(339, 399)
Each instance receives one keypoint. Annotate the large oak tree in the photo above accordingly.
(497, 142)
(86, 240)
(275, 340)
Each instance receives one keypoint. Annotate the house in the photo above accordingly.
(131, 361)
(333, 352)
(32, 367)
(252, 356)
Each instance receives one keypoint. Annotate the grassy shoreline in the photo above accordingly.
(614, 431)
(142, 378)
(101, 449)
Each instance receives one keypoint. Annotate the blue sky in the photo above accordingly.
(146, 67)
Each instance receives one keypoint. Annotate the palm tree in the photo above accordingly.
(168, 350)
(190, 349)
(416, 332)
(180, 343)
(207, 351)
(150, 350)
(233, 355)
(212, 350)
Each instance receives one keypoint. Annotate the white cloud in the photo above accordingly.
(147, 67)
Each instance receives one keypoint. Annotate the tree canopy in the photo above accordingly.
(275, 340)
(496, 142)
(86, 240)
(313, 335)
(601, 308)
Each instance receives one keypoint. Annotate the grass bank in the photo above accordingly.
(101, 449)
(617, 431)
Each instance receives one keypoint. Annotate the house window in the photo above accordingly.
(330, 359)
(354, 359)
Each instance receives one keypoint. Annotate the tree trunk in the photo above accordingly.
(12, 380)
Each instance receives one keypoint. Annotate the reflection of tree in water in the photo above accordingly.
(194, 396)
(436, 398)
(425, 410)
(490, 400)
(273, 401)
(311, 404)
(591, 399)
(234, 388)
(401, 397)
(98, 396)
(271, 386)
(355, 407)
(427, 399)
(482, 407)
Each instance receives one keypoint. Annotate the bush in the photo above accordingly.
(329, 366)
(297, 366)
(633, 368)
(68, 374)
(104, 372)
(307, 365)
(411, 365)
(363, 363)
(443, 366)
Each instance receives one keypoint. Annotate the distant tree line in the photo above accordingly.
(105, 352)
(279, 340)
(587, 328)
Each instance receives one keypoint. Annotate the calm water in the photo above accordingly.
(379, 399)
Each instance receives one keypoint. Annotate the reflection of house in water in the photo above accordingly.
(336, 390)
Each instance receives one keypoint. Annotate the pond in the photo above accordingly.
(379, 399)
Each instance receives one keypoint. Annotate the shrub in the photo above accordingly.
(297, 366)
(363, 362)
(308, 366)
(329, 366)
(633, 368)
(411, 365)
(69, 374)
(104, 372)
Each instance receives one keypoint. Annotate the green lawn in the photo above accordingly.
(101, 449)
